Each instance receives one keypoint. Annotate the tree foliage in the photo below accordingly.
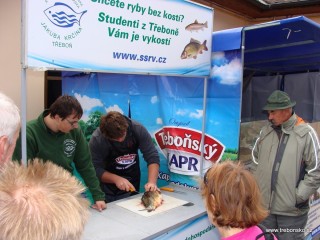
(91, 125)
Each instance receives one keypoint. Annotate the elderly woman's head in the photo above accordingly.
(232, 196)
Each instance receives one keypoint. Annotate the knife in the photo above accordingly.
(131, 190)
(188, 204)
(169, 189)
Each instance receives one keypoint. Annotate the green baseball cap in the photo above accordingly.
(278, 100)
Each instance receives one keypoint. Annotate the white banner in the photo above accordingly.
(169, 37)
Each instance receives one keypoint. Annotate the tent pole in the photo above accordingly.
(23, 116)
(23, 88)
(203, 123)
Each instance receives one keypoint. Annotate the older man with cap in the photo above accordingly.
(286, 166)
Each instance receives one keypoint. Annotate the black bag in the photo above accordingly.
(267, 235)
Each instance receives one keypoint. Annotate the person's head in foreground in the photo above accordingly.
(41, 201)
(9, 127)
(232, 197)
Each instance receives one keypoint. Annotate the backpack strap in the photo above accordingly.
(265, 234)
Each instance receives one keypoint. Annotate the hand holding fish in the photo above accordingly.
(149, 186)
(153, 171)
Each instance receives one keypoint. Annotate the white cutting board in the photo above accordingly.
(135, 205)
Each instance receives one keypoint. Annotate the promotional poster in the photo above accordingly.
(135, 36)
(172, 110)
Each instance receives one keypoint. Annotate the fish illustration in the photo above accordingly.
(151, 200)
(195, 26)
(62, 15)
(193, 48)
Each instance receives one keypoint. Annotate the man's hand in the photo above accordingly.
(123, 184)
(99, 205)
(153, 171)
(151, 187)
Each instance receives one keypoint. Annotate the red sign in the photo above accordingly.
(189, 140)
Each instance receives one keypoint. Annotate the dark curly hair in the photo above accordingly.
(113, 125)
(65, 106)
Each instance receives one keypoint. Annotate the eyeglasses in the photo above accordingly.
(205, 178)
(72, 123)
(206, 182)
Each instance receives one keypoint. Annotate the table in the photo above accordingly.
(119, 223)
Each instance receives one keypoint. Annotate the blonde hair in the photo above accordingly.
(237, 201)
(41, 201)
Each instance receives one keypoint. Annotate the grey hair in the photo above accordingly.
(9, 118)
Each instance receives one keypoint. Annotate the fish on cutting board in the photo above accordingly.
(151, 200)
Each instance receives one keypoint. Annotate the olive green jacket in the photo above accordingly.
(299, 172)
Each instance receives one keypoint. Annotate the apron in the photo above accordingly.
(123, 160)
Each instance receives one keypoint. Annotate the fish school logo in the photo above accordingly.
(182, 148)
(62, 22)
(126, 159)
(69, 146)
(62, 15)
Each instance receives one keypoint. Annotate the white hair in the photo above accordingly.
(9, 118)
